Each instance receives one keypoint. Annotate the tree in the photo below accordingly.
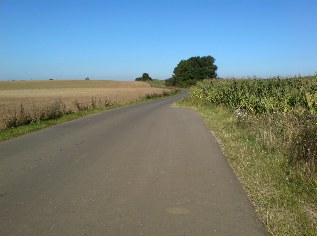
(145, 77)
(189, 71)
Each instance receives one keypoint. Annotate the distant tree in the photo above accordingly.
(145, 77)
(189, 71)
(87, 78)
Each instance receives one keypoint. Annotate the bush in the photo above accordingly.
(55, 110)
(22, 117)
(18, 118)
(107, 102)
(80, 106)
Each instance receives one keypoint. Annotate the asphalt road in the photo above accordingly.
(145, 169)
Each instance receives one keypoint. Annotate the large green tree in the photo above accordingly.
(145, 77)
(189, 71)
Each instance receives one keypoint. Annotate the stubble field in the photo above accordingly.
(42, 93)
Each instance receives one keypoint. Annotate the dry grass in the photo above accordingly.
(286, 203)
(42, 93)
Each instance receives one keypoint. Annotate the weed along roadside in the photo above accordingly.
(22, 121)
(268, 132)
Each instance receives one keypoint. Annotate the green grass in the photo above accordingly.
(285, 203)
(6, 134)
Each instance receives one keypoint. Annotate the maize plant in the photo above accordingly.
(259, 96)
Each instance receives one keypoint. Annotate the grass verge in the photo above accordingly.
(9, 133)
(285, 203)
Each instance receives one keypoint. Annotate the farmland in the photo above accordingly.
(282, 109)
(43, 93)
(268, 131)
(260, 96)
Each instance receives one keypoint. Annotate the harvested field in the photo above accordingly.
(42, 93)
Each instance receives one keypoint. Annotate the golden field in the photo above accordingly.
(42, 93)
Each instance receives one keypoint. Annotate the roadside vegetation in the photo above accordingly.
(268, 131)
(157, 83)
(27, 119)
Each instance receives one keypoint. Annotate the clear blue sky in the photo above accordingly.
(121, 39)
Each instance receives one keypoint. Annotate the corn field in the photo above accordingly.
(259, 96)
(280, 112)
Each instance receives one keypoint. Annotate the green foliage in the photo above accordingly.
(286, 204)
(163, 94)
(157, 83)
(279, 112)
(259, 96)
(144, 77)
(194, 69)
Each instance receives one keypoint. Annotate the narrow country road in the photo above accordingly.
(145, 169)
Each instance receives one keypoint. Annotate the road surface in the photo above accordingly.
(145, 169)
